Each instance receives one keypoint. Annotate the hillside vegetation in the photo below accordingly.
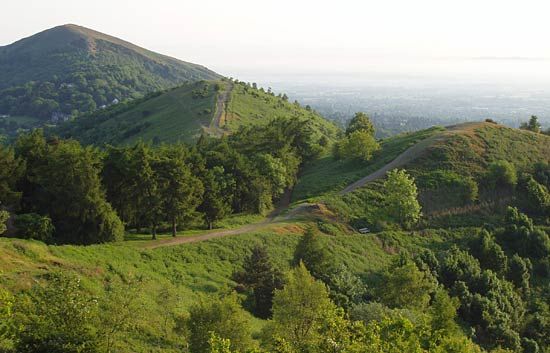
(249, 105)
(177, 115)
(181, 115)
(442, 246)
(70, 69)
(170, 280)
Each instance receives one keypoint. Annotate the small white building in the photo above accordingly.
(59, 117)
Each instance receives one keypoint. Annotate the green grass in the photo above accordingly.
(176, 115)
(328, 174)
(191, 271)
(469, 152)
(248, 106)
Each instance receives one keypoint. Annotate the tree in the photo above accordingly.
(312, 253)
(400, 200)
(119, 177)
(34, 226)
(345, 288)
(489, 253)
(11, 169)
(360, 122)
(533, 125)
(359, 145)
(63, 181)
(57, 317)
(519, 272)
(259, 276)
(223, 317)
(502, 174)
(218, 195)
(120, 310)
(405, 286)
(538, 198)
(300, 310)
(4, 216)
(7, 320)
(179, 190)
(443, 312)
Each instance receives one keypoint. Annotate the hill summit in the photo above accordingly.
(71, 69)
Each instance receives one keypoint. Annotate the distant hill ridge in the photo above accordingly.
(72, 69)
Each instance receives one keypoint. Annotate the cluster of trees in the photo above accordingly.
(492, 280)
(329, 309)
(532, 189)
(534, 126)
(359, 142)
(65, 193)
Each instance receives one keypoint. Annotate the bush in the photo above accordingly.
(4, 216)
(502, 173)
(223, 317)
(34, 226)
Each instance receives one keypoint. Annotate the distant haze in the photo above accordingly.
(263, 39)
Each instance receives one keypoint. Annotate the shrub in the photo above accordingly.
(34, 226)
(4, 216)
(503, 174)
(223, 317)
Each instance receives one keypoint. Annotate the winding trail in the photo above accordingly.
(407, 156)
(283, 205)
(411, 154)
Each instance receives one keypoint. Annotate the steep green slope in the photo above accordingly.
(250, 106)
(179, 114)
(328, 174)
(451, 171)
(173, 278)
(70, 69)
(182, 114)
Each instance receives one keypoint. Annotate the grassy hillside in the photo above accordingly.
(250, 106)
(182, 114)
(70, 69)
(448, 165)
(179, 114)
(468, 149)
(178, 276)
(328, 174)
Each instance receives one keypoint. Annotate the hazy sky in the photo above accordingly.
(240, 37)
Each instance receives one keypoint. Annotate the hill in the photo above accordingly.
(184, 113)
(70, 69)
(172, 279)
(450, 166)
(455, 287)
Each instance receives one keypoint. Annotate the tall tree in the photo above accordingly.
(360, 122)
(300, 310)
(401, 198)
(65, 184)
(312, 253)
(179, 190)
(259, 276)
(533, 125)
(11, 169)
(218, 195)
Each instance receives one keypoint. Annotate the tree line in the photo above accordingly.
(62, 192)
